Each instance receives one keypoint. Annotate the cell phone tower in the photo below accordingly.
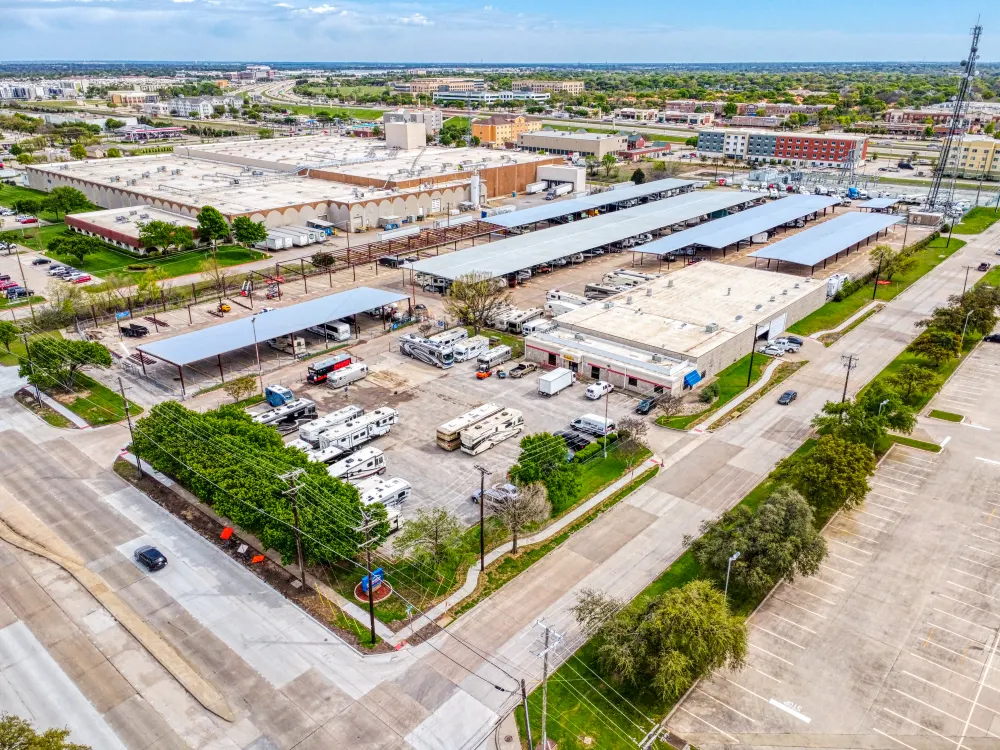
(952, 141)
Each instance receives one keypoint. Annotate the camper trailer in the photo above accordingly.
(491, 431)
(449, 337)
(350, 435)
(449, 434)
(364, 463)
(311, 431)
(470, 348)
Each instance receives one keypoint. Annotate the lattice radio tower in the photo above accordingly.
(934, 198)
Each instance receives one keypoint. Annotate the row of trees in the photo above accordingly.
(973, 313)
(234, 465)
(60, 200)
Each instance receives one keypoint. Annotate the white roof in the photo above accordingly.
(811, 246)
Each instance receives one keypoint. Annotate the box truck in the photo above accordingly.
(554, 381)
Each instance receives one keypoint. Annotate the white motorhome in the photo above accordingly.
(515, 322)
(555, 307)
(297, 409)
(290, 344)
(449, 337)
(391, 492)
(537, 326)
(470, 348)
(334, 330)
(439, 355)
(364, 463)
(449, 434)
(559, 295)
(347, 375)
(493, 358)
(594, 424)
(311, 431)
(492, 431)
(359, 431)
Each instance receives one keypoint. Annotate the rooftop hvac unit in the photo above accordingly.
(772, 299)
(161, 169)
(739, 317)
(796, 285)
(120, 218)
(657, 358)
(131, 182)
(670, 283)
(649, 291)
(132, 213)
(628, 300)
(578, 336)
(729, 290)
(145, 174)
(608, 305)
(711, 328)
(257, 173)
(784, 291)
(757, 307)
(115, 178)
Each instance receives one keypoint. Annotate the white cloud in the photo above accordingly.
(283, 5)
(487, 8)
(319, 9)
(183, 1)
(417, 19)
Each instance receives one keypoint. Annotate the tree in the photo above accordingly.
(25, 159)
(241, 388)
(31, 206)
(75, 245)
(929, 131)
(9, 333)
(833, 475)
(592, 163)
(730, 108)
(664, 643)
(55, 361)
(475, 298)
(66, 200)
(776, 542)
(516, 510)
(433, 537)
(631, 444)
(220, 276)
(113, 124)
(868, 418)
(608, 161)
(890, 262)
(163, 235)
(936, 345)
(212, 225)
(908, 379)
(248, 232)
(978, 304)
(78, 151)
(638, 176)
(376, 131)
(113, 153)
(543, 459)
(18, 734)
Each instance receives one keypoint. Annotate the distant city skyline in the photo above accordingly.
(553, 31)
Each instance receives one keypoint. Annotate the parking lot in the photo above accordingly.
(893, 642)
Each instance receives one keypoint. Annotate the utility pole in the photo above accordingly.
(965, 284)
(552, 639)
(753, 349)
(527, 718)
(292, 491)
(877, 272)
(367, 525)
(128, 418)
(483, 471)
(31, 366)
(25, 282)
(850, 361)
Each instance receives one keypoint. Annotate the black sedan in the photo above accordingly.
(574, 440)
(150, 558)
(645, 406)
(787, 397)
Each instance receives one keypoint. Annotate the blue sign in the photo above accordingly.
(122, 315)
(378, 575)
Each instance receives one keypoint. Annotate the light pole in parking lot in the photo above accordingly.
(483, 471)
(880, 407)
(256, 351)
(729, 564)
(964, 325)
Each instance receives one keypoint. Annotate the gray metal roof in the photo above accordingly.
(814, 245)
(553, 209)
(527, 250)
(731, 229)
(875, 203)
(227, 337)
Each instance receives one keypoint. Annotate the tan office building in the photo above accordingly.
(564, 143)
(975, 156)
(500, 129)
(430, 85)
(556, 87)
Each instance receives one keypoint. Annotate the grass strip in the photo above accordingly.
(782, 373)
(947, 416)
(828, 339)
(977, 221)
(732, 382)
(94, 402)
(914, 443)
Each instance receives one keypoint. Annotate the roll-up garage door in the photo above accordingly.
(777, 326)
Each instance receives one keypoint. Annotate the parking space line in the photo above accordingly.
(984, 538)
(781, 637)
(936, 627)
(765, 674)
(970, 622)
(932, 707)
(946, 669)
(900, 742)
(910, 467)
(827, 567)
(966, 604)
(792, 622)
(976, 562)
(934, 684)
(921, 459)
(987, 526)
(896, 479)
(746, 689)
(764, 650)
(854, 533)
(886, 507)
(840, 557)
(887, 497)
(973, 575)
(964, 656)
(918, 724)
(985, 552)
(850, 546)
(866, 525)
(710, 724)
(991, 514)
(815, 595)
(974, 591)
(722, 703)
(883, 484)
(797, 606)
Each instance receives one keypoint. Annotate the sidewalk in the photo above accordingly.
(77, 420)
(717, 415)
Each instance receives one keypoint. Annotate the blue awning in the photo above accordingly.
(691, 378)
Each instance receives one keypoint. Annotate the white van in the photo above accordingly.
(594, 425)
(494, 357)
(346, 375)
(470, 348)
(596, 390)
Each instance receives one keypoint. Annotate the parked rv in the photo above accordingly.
(470, 348)
(449, 434)
(391, 492)
(347, 375)
(492, 431)
(360, 430)
(364, 463)
(439, 355)
(334, 330)
(449, 337)
(320, 371)
(493, 358)
(311, 431)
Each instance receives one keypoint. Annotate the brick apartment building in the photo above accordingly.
(799, 149)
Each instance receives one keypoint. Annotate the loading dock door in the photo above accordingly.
(777, 326)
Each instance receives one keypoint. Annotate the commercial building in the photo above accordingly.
(975, 156)
(132, 98)
(632, 113)
(685, 118)
(430, 85)
(708, 314)
(638, 148)
(566, 142)
(501, 129)
(486, 98)
(431, 118)
(756, 121)
(799, 149)
(120, 226)
(556, 87)
(202, 106)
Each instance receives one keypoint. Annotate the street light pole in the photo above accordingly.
(964, 325)
(880, 406)
(729, 564)
(256, 351)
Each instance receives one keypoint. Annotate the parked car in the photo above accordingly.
(984, 266)
(19, 292)
(645, 406)
(4, 277)
(993, 338)
(40, 262)
(5, 285)
(772, 351)
(574, 440)
(134, 331)
(150, 558)
(28, 220)
(596, 390)
(81, 278)
(483, 374)
(58, 270)
(787, 397)
(523, 369)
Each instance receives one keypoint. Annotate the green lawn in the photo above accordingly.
(884, 445)
(732, 381)
(365, 115)
(516, 343)
(977, 220)
(94, 402)
(578, 702)
(179, 264)
(947, 416)
(9, 194)
(832, 314)
(13, 357)
(991, 277)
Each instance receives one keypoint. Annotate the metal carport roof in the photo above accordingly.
(575, 205)
(527, 250)
(742, 226)
(877, 203)
(814, 245)
(227, 337)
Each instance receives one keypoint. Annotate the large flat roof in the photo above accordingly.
(877, 203)
(552, 209)
(527, 250)
(237, 334)
(127, 220)
(732, 229)
(673, 313)
(816, 244)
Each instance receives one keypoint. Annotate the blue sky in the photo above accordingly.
(563, 31)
